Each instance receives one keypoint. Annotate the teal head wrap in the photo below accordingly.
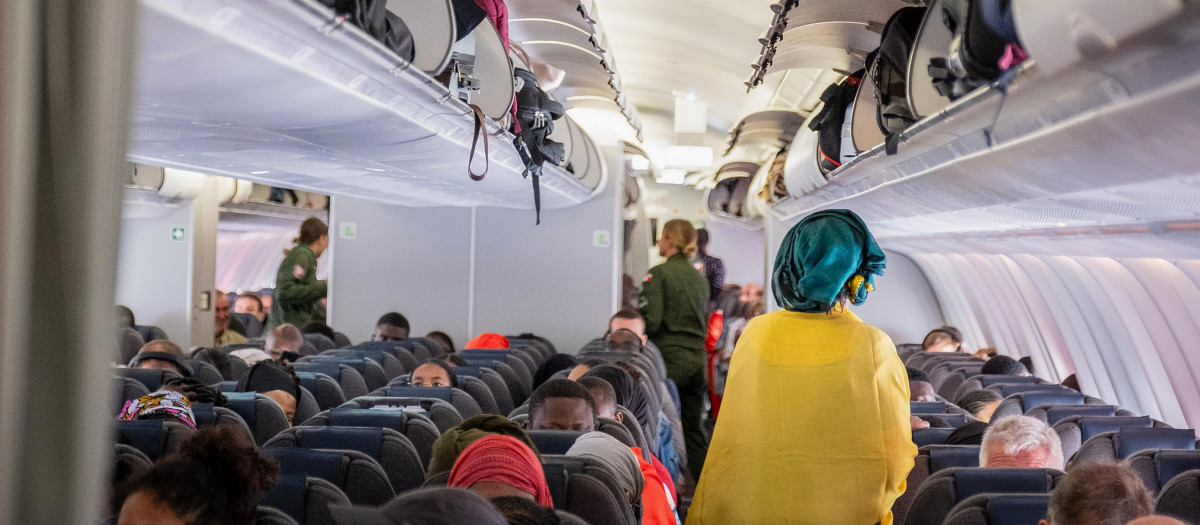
(821, 254)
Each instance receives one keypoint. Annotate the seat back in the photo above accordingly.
(419, 430)
(306, 407)
(494, 382)
(397, 349)
(325, 389)
(129, 341)
(519, 387)
(261, 414)
(443, 415)
(554, 441)
(357, 475)
(1110, 447)
(254, 327)
(208, 415)
(129, 462)
(1018, 404)
(352, 383)
(949, 387)
(938, 495)
(1157, 466)
(371, 371)
(1180, 497)
(1073, 431)
(127, 389)
(204, 372)
(1008, 389)
(150, 333)
(930, 459)
(954, 420)
(151, 378)
(982, 381)
(1000, 509)
(304, 499)
(1051, 414)
(153, 437)
(576, 485)
(931, 436)
(320, 342)
(390, 448)
(387, 360)
(272, 516)
(461, 401)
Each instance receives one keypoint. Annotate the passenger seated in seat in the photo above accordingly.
(968, 434)
(814, 426)
(391, 327)
(636, 478)
(628, 320)
(946, 339)
(1003, 365)
(216, 477)
(562, 404)
(195, 391)
(433, 373)
(454, 441)
(557, 363)
(1021, 442)
(623, 340)
(442, 339)
(284, 343)
(980, 403)
(919, 387)
(163, 404)
(162, 355)
(1098, 494)
(276, 381)
(250, 303)
(523, 511)
(317, 327)
(495, 466)
(222, 335)
(603, 396)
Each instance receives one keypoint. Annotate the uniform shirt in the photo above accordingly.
(229, 337)
(675, 306)
(298, 293)
(814, 428)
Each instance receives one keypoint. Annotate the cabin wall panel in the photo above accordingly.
(956, 309)
(740, 249)
(415, 261)
(154, 274)
(903, 304)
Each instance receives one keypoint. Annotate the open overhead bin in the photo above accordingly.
(285, 93)
(728, 200)
(769, 130)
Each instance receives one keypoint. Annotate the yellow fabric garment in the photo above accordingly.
(814, 426)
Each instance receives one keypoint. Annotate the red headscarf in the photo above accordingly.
(502, 459)
(487, 342)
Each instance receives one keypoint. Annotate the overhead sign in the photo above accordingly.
(177, 234)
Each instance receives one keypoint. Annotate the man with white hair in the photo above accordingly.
(1021, 442)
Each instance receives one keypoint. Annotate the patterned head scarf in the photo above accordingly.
(819, 255)
(617, 458)
(505, 460)
(161, 402)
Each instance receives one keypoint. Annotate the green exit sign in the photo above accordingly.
(177, 234)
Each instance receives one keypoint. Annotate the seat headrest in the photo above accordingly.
(931, 436)
(1131, 440)
(485, 352)
(1032, 400)
(990, 379)
(365, 417)
(147, 435)
(368, 440)
(927, 407)
(1171, 463)
(244, 403)
(358, 363)
(954, 420)
(554, 441)
(1055, 413)
(971, 481)
(941, 458)
(203, 414)
(558, 471)
(309, 380)
(289, 495)
(331, 369)
(1010, 389)
(1017, 509)
(1090, 426)
(965, 366)
(227, 386)
(152, 378)
(325, 464)
(444, 393)
(486, 362)
(467, 371)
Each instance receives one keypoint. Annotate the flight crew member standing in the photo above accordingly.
(675, 307)
(298, 293)
(816, 417)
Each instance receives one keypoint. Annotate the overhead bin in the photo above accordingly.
(840, 46)
(284, 93)
(771, 129)
(728, 199)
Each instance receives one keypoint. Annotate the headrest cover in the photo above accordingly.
(365, 417)
(1090, 426)
(1032, 400)
(989, 380)
(333, 370)
(288, 495)
(324, 464)
(444, 393)
(927, 407)
(245, 404)
(1010, 389)
(1172, 463)
(1131, 440)
(954, 420)
(554, 441)
(1020, 509)
(1054, 414)
(176, 360)
(953, 457)
(931, 436)
(468, 371)
(146, 435)
(369, 441)
(971, 481)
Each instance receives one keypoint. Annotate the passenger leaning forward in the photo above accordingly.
(815, 424)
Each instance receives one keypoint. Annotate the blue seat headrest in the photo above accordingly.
(377, 346)
(289, 495)
(927, 407)
(204, 414)
(1010, 389)
(1054, 414)
(486, 362)
(308, 380)
(991, 379)
(444, 393)
(368, 440)
(375, 354)
(1017, 509)
(485, 352)
(1172, 463)
(1131, 440)
(467, 371)
(365, 417)
(228, 386)
(327, 465)
(1091, 426)
(246, 405)
(954, 420)
(150, 377)
(554, 441)
(931, 436)
(558, 472)
(971, 481)
(1032, 400)
(146, 435)
(333, 370)
(356, 362)
(953, 457)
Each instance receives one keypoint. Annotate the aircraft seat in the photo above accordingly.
(204, 372)
(1111, 447)
(261, 414)
(1000, 509)
(519, 386)
(554, 441)
(129, 341)
(1051, 414)
(494, 383)
(272, 516)
(128, 462)
(306, 407)
(356, 474)
(254, 327)
(473, 386)
(931, 436)
(982, 381)
(1019, 404)
(461, 401)
(150, 333)
(325, 389)
(153, 437)
(392, 366)
(955, 380)
(304, 499)
(371, 371)
(938, 495)
(152, 378)
(208, 415)
(394, 452)
(959, 369)
(419, 430)
(319, 341)
(954, 420)
(443, 415)
(352, 383)
(930, 459)
(584, 488)
(127, 389)
(1074, 431)
(1157, 466)
(1180, 497)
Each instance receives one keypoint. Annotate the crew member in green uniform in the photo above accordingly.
(298, 293)
(675, 306)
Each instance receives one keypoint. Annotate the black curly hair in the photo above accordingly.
(195, 391)
(215, 477)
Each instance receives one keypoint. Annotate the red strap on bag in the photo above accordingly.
(716, 323)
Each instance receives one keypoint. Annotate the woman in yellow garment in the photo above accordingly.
(814, 427)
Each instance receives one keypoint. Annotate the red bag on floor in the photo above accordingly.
(716, 323)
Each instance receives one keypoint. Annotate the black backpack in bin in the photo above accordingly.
(888, 67)
(828, 123)
(536, 113)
